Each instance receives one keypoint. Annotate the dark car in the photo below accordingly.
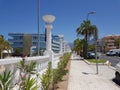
(91, 55)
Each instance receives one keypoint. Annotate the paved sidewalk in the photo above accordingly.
(83, 77)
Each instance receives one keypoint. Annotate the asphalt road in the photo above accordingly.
(113, 59)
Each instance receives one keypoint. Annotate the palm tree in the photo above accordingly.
(1, 45)
(87, 30)
(4, 45)
(7, 46)
(78, 45)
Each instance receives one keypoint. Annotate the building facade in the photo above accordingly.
(108, 42)
(29, 42)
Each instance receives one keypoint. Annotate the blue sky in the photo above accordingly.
(20, 16)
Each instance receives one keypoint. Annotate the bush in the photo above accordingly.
(5, 80)
(60, 71)
(26, 69)
(47, 77)
(29, 84)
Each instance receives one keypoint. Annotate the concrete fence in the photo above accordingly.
(11, 64)
(42, 61)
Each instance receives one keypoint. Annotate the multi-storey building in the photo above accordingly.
(108, 42)
(28, 41)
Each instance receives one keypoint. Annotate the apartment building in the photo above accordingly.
(108, 42)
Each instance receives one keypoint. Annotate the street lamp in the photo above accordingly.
(87, 20)
(89, 14)
(48, 19)
(87, 32)
(61, 43)
(95, 42)
(38, 27)
(95, 39)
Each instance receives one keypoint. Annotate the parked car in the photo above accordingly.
(91, 55)
(113, 52)
(118, 54)
(108, 53)
(117, 73)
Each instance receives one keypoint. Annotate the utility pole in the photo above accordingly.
(95, 42)
(38, 27)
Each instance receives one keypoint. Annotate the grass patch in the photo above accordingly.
(94, 61)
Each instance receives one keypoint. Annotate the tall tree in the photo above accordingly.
(78, 45)
(117, 43)
(4, 45)
(1, 45)
(87, 30)
(7, 46)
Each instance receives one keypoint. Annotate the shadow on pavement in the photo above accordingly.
(116, 82)
(88, 73)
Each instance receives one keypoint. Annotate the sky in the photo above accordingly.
(20, 16)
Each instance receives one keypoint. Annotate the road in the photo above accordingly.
(113, 59)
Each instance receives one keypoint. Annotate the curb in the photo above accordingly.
(111, 67)
(94, 63)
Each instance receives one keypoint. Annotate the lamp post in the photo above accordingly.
(87, 32)
(89, 14)
(48, 19)
(38, 27)
(87, 20)
(95, 40)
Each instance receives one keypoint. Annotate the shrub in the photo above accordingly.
(5, 80)
(60, 71)
(47, 77)
(26, 69)
(29, 84)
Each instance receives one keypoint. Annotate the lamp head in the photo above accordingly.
(93, 12)
(48, 18)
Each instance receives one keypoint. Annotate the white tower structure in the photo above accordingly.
(48, 19)
(61, 42)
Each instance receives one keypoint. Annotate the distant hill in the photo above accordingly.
(72, 44)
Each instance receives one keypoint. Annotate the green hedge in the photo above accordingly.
(53, 76)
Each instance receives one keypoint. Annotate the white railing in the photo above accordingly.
(42, 61)
(9, 61)
(11, 64)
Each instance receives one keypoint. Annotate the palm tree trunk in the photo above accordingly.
(1, 55)
(85, 46)
(119, 45)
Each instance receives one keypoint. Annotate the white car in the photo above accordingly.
(117, 73)
(111, 53)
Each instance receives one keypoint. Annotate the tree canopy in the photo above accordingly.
(4, 45)
(87, 30)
